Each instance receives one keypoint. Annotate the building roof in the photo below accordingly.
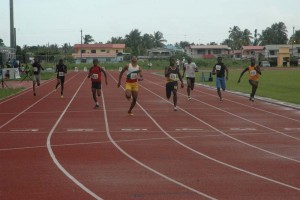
(253, 48)
(112, 46)
(210, 47)
(94, 55)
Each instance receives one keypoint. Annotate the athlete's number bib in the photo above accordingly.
(61, 73)
(173, 77)
(218, 67)
(252, 72)
(35, 69)
(95, 76)
(133, 76)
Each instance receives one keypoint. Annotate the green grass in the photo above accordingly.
(5, 92)
(281, 84)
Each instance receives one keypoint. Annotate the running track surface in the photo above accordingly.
(53, 148)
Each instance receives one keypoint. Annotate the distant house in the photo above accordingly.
(207, 51)
(160, 52)
(252, 51)
(85, 53)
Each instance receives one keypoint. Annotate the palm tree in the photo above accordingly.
(133, 42)
(235, 35)
(159, 39)
(88, 39)
(246, 37)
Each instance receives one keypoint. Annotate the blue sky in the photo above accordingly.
(39, 22)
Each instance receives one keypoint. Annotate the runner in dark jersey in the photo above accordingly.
(61, 70)
(36, 68)
(220, 70)
(172, 75)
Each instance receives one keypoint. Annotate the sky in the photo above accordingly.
(39, 22)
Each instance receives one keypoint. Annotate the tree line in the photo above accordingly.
(138, 44)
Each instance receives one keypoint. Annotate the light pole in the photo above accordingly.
(81, 47)
(293, 37)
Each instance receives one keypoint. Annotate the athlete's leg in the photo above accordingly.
(133, 102)
(188, 88)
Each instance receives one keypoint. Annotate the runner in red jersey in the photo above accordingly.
(95, 75)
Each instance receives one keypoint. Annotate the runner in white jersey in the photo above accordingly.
(189, 70)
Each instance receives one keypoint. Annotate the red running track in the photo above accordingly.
(53, 148)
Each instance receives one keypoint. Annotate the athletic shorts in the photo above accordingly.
(192, 81)
(132, 86)
(36, 78)
(171, 86)
(96, 85)
(61, 78)
(221, 83)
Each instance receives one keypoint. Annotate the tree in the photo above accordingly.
(159, 39)
(133, 42)
(246, 38)
(256, 41)
(2, 43)
(116, 40)
(87, 39)
(276, 34)
(235, 35)
(295, 38)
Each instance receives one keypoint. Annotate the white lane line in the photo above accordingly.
(134, 129)
(241, 104)
(223, 133)
(54, 157)
(22, 112)
(80, 130)
(25, 130)
(243, 129)
(188, 129)
(139, 162)
(292, 129)
(213, 159)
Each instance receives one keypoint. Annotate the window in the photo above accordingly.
(83, 51)
(272, 52)
(217, 51)
(201, 51)
(298, 50)
(93, 51)
(107, 51)
(102, 50)
(117, 51)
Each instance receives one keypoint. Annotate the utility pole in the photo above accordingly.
(12, 28)
(293, 38)
(81, 47)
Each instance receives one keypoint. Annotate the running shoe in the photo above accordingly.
(175, 108)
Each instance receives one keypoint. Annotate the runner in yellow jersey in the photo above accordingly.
(253, 75)
(131, 85)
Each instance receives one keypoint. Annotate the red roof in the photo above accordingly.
(113, 46)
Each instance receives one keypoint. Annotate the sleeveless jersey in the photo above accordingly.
(253, 75)
(95, 73)
(132, 73)
(173, 75)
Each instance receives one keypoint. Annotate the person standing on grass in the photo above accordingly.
(189, 69)
(95, 75)
(131, 85)
(253, 76)
(172, 75)
(61, 70)
(221, 71)
(36, 68)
